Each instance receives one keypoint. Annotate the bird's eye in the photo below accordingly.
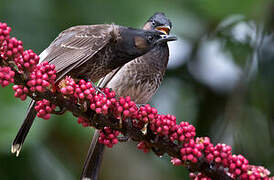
(150, 38)
(153, 23)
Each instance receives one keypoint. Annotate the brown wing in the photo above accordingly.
(76, 45)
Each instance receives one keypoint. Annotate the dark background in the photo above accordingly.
(220, 78)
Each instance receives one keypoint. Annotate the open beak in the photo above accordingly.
(166, 38)
(163, 29)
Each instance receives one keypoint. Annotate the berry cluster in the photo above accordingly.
(235, 166)
(256, 172)
(27, 62)
(125, 108)
(84, 91)
(108, 137)
(191, 151)
(42, 77)
(220, 154)
(4, 32)
(20, 91)
(100, 102)
(183, 132)
(143, 116)
(147, 113)
(163, 124)
(238, 165)
(44, 108)
(67, 86)
(6, 76)
(11, 48)
(103, 102)
(204, 141)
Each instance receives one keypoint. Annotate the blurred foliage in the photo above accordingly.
(220, 78)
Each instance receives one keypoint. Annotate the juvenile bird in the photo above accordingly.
(91, 52)
(138, 79)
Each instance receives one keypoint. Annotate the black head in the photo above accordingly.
(137, 42)
(160, 22)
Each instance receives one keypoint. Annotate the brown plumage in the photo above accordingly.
(91, 52)
(139, 79)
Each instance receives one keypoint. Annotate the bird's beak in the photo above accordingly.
(163, 29)
(165, 38)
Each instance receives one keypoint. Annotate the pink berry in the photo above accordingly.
(44, 108)
(108, 137)
(6, 76)
(143, 146)
(40, 78)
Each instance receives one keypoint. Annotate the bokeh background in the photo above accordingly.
(220, 78)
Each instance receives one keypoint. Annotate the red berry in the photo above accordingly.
(108, 137)
(44, 108)
(6, 76)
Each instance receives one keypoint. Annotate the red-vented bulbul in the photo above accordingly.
(138, 79)
(91, 52)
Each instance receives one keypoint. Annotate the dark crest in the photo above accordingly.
(160, 18)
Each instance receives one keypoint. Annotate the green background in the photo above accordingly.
(220, 79)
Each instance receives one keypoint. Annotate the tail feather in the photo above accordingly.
(24, 129)
(94, 159)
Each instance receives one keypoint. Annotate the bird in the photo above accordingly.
(91, 52)
(138, 79)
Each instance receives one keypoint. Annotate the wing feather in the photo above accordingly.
(76, 45)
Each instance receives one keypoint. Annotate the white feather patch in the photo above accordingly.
(43, 55)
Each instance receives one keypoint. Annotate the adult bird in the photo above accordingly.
(91, 52)
(138, 79)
